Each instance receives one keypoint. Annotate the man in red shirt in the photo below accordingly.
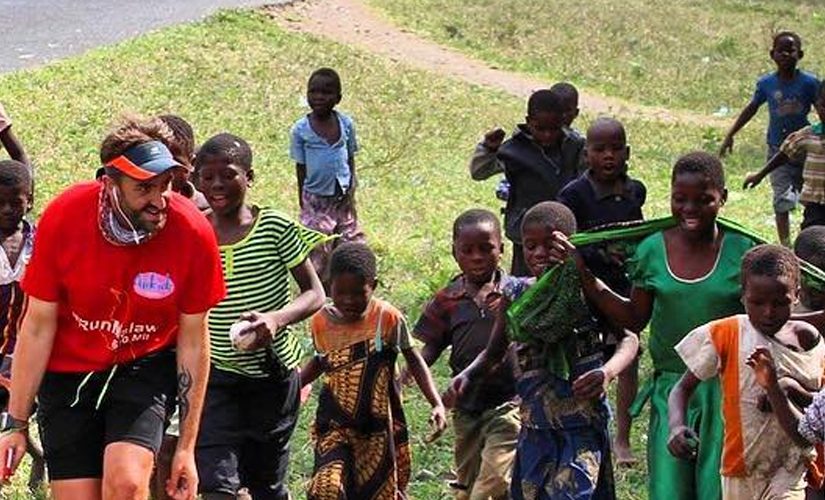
(120, 281)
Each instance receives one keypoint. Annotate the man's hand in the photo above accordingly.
(591, 384)
(14, 443)
(727, 146)
(183, 479)
(494, 138)
(683, 443)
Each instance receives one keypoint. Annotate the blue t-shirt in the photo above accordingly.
(327, 165)
(788, 103)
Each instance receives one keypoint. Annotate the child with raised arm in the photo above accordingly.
(539, 159)
(323, 145)
(804, 145)
(789, 92)
(361, 444)
(563, 449)
(606, 194)
(460, 318)
(682, 277)
(758, 460)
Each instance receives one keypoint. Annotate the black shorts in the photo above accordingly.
(244, 434)
(80, 414)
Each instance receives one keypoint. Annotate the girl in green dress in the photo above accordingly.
(682, 277)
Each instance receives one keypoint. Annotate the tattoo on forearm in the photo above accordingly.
(184, 386)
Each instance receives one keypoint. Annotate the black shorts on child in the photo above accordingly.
(81, 413)
(245, 430)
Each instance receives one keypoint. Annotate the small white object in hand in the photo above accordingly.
(241, 340)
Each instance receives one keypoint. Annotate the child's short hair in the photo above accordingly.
(700, 162)
(229, 147)
(550, 214)
(565, 91)
(327, 73)
(354, 258)
(810, 245)
(15, 174)
(544, 101)
(773, 261)
(473, 217)
(606, 120)
(791, 34)
(131, 131)
(182, 131)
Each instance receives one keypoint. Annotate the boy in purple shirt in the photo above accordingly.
(790, 93)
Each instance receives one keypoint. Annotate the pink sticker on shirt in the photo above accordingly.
(153, 285)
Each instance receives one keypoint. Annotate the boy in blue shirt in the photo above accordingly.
(323, 145)
(790, 93)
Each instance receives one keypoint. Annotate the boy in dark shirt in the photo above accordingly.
(606, 194)
(539, 159)
(461, 315)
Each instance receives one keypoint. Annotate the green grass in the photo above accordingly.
(238, 72)
(695, 54)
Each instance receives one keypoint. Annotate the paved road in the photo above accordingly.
(33, 32)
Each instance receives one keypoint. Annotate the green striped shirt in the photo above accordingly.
(256, 271)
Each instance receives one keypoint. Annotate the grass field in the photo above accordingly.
(238, 72)
(701, 55)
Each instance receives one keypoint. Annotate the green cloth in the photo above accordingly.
(670, 478)
(679, 306)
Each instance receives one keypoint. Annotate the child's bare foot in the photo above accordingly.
(623, 454)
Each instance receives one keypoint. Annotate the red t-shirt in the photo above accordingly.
(118, 303)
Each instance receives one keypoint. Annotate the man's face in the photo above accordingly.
(143, 203)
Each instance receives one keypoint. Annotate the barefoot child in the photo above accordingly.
(758, 460)
(682, 277)
(806, 145)
(323, 145)
(539, 159)
(563, 448)
(460, 317)
(606, 194)
(789, 93)
(16, 244)
(251, 403)
(361, 444)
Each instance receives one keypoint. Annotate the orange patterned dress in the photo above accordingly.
(361, 444)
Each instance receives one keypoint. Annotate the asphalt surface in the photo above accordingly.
(34, 32)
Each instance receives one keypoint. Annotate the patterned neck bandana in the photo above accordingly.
(113, 231)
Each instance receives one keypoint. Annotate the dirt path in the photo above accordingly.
(353, 23)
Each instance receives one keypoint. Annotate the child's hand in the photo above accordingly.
(562, 248)
(761, 361)
(405, 377)
(438, 422)
(5, 121)
(752, 180)
(457, 386)
(306, 392)
(683, 443)
(727, 146)
(591, 384)
(494, 138)
(264, 326)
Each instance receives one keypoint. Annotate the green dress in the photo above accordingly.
(679, 306)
